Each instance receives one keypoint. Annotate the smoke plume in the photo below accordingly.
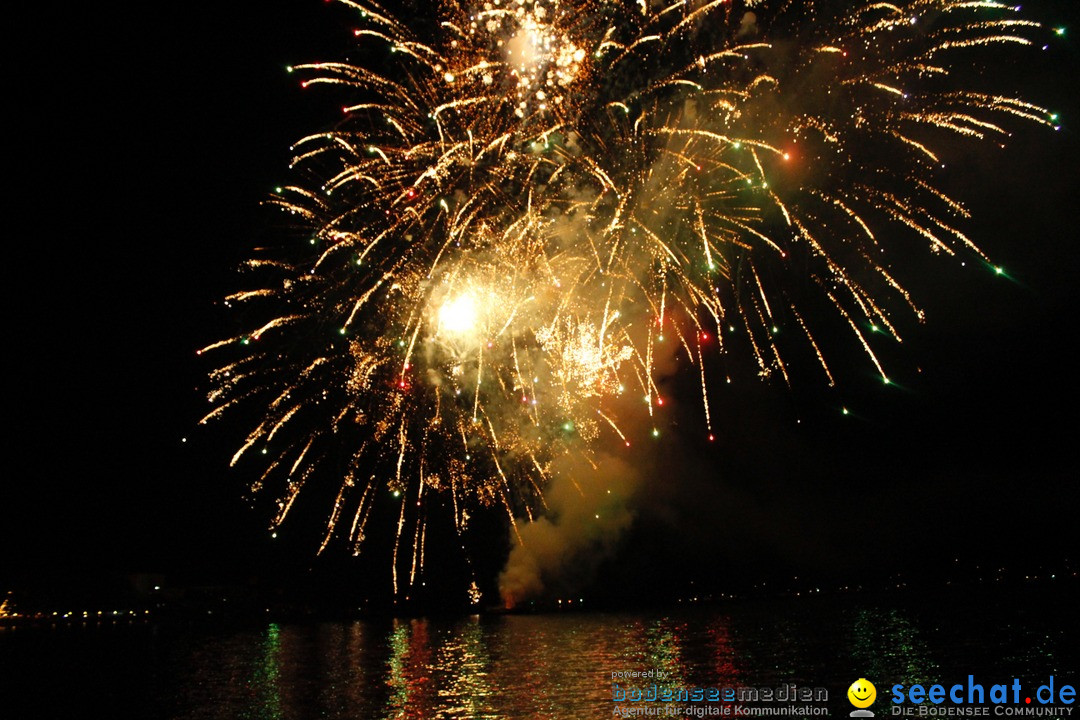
(589, 508)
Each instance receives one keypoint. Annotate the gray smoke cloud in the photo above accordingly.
(589, 509)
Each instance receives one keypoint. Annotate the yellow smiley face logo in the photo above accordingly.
(862, 693)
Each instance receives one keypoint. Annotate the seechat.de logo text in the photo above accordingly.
(973, 698)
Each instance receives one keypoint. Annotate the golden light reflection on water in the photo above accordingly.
(465, 666)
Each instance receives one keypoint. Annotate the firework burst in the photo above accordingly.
(525, 199)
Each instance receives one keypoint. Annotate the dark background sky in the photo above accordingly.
(146, 136)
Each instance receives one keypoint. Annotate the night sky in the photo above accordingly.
(147, 137)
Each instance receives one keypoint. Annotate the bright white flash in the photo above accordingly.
(525, 48)
(458, 316)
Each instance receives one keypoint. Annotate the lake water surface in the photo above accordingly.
(528, 666)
